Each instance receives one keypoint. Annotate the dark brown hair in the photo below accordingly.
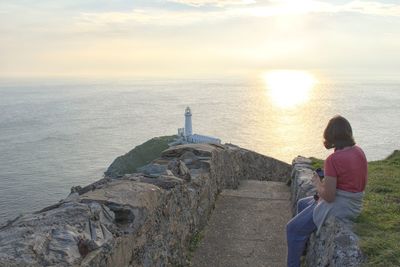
(338, 133)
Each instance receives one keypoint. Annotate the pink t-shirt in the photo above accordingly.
(350, 167)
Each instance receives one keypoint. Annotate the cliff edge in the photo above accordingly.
(147, 218)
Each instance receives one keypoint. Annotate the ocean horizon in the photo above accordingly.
(55, 135)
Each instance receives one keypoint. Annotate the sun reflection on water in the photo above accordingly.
(289, 88)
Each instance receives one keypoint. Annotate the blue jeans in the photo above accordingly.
(299, 229)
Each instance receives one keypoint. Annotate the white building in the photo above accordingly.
(186, 134)
(188, 122)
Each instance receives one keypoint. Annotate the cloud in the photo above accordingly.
(371, 8)
(230, 9)
(218, 3)
(154, 17)
(293, 7)
(160, 36)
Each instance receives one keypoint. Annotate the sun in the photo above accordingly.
(289, 88)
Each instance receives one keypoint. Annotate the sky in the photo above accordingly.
(197, 38)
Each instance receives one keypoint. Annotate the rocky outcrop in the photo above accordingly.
(336, 244)
(139, 219)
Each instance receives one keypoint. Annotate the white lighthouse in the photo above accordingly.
(188, 123)
(186, 136)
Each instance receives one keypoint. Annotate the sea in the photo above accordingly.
(59, 134)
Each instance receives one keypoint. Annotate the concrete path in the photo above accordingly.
(247, 227)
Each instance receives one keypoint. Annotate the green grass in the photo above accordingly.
(378, 226)
(317, 163)
(194, 244)
(195, 241)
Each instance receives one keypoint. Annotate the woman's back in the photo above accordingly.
(350, 167)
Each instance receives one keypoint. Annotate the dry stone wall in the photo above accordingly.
(140, 219)
(336, 245)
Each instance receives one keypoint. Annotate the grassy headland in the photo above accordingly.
(139, 156)
(378, 226)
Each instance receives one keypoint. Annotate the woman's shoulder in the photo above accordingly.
(361, 153)
(347, 152)
(358, 150)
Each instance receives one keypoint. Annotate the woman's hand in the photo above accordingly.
(327, 188)
(316, 180)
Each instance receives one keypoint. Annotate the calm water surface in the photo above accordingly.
(54, 136)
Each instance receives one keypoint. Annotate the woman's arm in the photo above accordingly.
(327, 188)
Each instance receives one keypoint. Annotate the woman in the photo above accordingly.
(340, 192)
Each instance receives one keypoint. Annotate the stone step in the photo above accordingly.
(260, 189)
(247, 227)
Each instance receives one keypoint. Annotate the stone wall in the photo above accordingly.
(140, 219)
(336, 244)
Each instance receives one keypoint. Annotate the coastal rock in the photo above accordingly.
(138, 219)
(153, 169)
(199, 150)
(336, 245)
(53, 236)
(179, 169)
(301, 182)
